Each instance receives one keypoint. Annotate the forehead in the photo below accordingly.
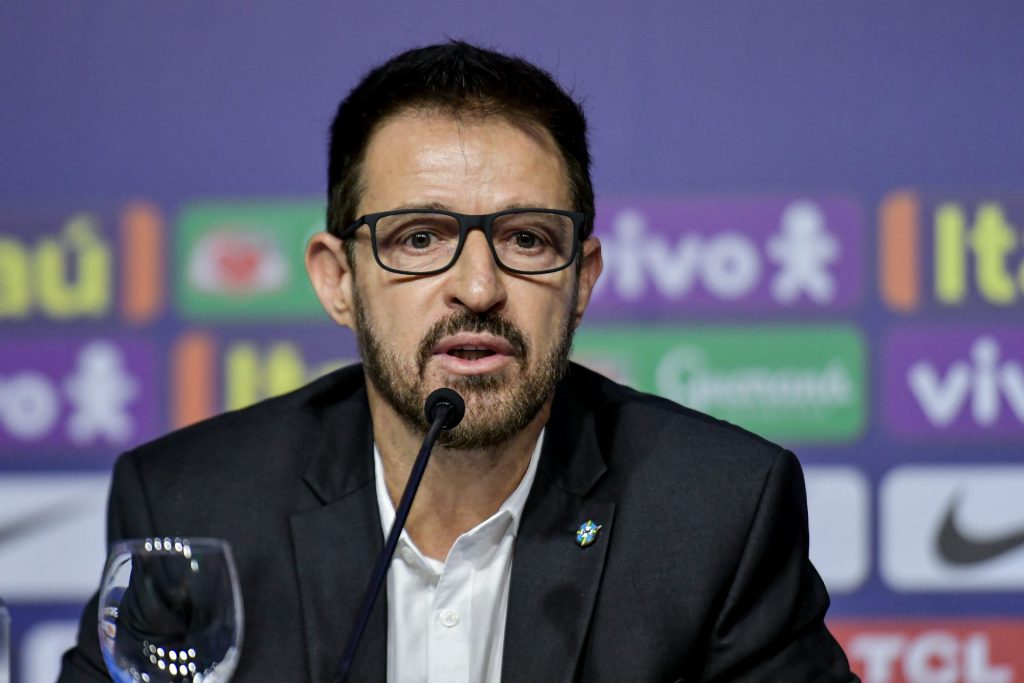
(472, 164)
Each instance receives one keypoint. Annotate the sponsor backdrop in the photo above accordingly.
(813, 226)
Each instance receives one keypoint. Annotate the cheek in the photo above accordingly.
(543, 319)
(402, 314)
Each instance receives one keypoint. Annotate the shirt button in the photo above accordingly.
(448, 618)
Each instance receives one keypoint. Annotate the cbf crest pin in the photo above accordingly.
(587, 533)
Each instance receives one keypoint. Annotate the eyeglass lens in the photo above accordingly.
(420, 242)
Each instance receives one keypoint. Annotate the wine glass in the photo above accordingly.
(170, 611)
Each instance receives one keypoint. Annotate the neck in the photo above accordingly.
(460, 489)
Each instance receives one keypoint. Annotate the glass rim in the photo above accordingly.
(165, 544)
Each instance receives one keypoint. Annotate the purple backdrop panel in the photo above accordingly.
(773, 255)
(81, 264)
(94, 393)
(229, 369)
(947, 255)
(942, 382)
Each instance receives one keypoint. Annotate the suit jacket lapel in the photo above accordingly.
(335, 543)
(555, 581)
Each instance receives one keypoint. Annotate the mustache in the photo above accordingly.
(490, 322)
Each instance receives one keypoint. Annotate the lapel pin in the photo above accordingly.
(587, 533)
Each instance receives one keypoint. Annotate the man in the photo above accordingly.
(569, 529)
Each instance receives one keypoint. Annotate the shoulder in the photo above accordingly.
(651, 427)
(670, 467)
(690, 490)
(284, 426)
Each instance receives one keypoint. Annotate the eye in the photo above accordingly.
(420, 240)
(525, 240)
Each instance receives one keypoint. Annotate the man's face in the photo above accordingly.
(501, 340)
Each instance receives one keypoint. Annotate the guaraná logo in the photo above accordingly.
(799, 383)
(245, 260)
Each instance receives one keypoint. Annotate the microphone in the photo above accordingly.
(445, 398)
(444, 409)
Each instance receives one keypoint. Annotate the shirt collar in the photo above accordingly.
(512, 507)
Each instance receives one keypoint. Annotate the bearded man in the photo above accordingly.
(569, 529)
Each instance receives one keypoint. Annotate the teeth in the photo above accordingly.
(475, 353)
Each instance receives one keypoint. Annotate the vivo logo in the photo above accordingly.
(745, 253)
(955, 381)
(57, 392)
(981, 381)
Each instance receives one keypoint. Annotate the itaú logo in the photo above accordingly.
(704, 254)
(950, 254)
(932, 650)
(87, 266)
(250, 371)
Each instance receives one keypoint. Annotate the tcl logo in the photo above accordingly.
(933, 652)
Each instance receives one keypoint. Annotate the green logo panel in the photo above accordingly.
(244, 260)
(788, 383)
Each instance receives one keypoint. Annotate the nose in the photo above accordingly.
(475, 281)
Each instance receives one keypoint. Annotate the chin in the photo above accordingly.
(475, 384)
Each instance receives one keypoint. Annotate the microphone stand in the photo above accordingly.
(446, 408)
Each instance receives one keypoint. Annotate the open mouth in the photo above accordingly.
(475, 352)
(470, 353)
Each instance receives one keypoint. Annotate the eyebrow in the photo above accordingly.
(438, 206)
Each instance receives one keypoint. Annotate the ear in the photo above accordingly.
(329, 271)
(590, 270)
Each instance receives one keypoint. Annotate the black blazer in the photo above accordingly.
(699, 573)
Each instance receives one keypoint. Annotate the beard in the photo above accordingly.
(498, 405)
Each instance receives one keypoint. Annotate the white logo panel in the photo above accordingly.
(838, 512)
(953, 528)
(42, 648)
(52, 536)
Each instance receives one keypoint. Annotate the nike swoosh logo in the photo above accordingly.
(957, 548)
(40, 519)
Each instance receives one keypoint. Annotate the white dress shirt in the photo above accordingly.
(446, 620)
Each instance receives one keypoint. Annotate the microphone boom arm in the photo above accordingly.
(445, 408)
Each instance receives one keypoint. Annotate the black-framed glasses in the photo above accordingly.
(426, 242)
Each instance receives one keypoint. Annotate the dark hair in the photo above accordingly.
(463, 80)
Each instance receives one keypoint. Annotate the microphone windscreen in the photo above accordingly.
(445, 396)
